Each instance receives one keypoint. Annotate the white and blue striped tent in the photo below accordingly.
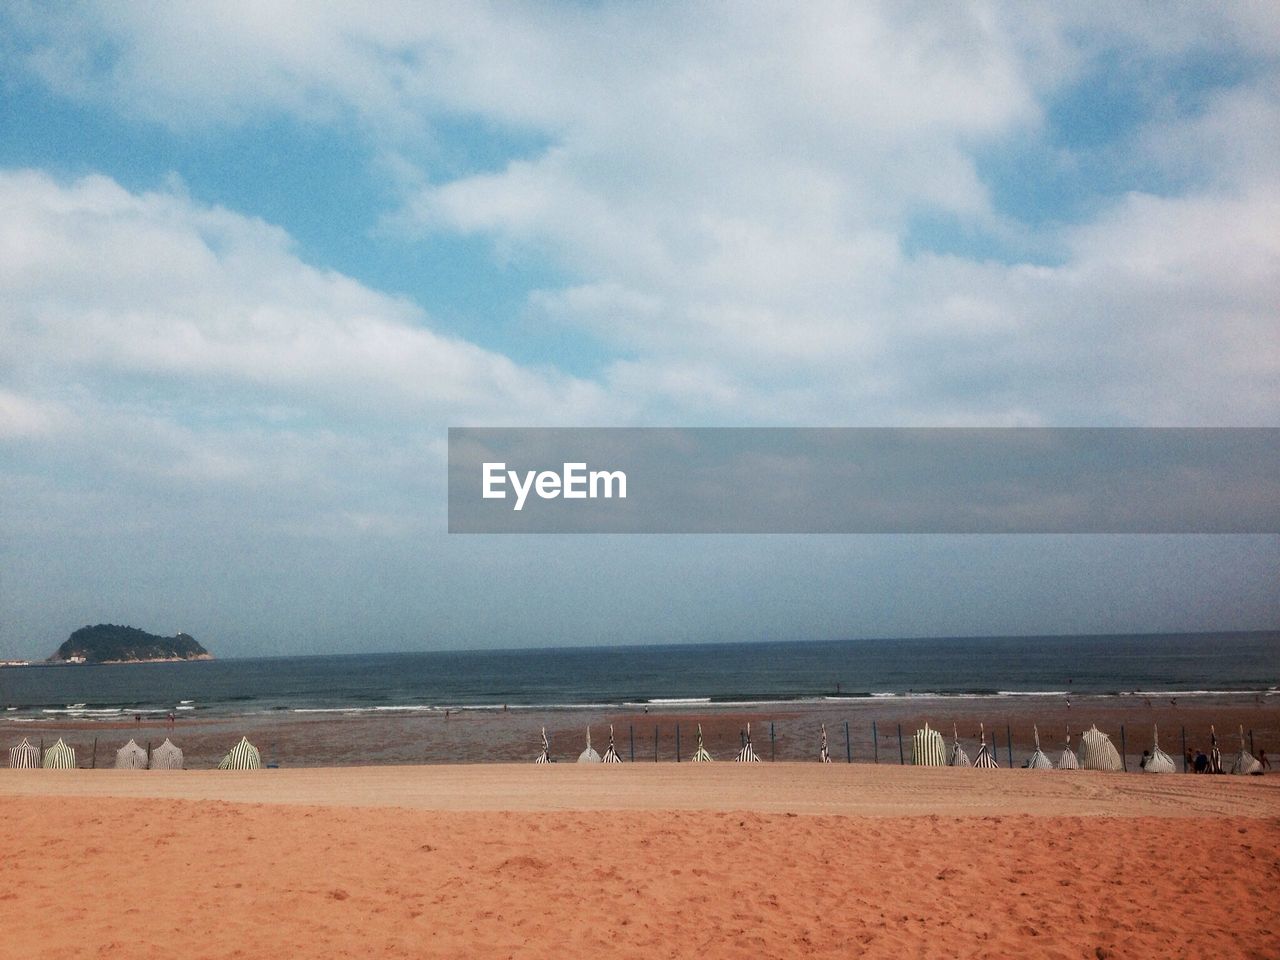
(166, 757)
(700, 755)
(928, 749)
(1159, 761)
(24, 755)
(611, 755)
(1038, 760)
(59, 757)
(958, 757)
(1245, 762)
(747, 754)
(1097, 752)
(589, 755)
(824, 755)
(986, 759)
(1068, 761)
(545, 755)
(243, 756)
(131, 757)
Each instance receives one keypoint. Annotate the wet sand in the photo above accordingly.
(719, 861)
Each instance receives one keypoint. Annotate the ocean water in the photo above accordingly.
(669, 676)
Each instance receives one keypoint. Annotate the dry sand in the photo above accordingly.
(785, 860)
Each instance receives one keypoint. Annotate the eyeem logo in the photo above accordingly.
(575, 482)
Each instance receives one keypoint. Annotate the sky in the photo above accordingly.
(255, 259)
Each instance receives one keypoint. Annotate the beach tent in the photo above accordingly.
(131, 757)
(824, 755)
(1039, 760)
(1159, 761)
(700, 755)
(986, 759)
(59, 757)
(545, 755)
(1215, 755)
(746, 754)
(1068, 759)
(928, 749)
(588, 755)
(1097, 752)
(166, 757)
(611, 755)
(24, 755)
(243, 756)
(1245, 763)
(958, 757)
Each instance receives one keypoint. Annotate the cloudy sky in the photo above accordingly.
(256, 258)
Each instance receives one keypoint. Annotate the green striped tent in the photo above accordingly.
(1038, 760)
(166, 757)
(1097, 752)
(958, 757)
(928, 748)
(243, 756)
(131, 757)
(59, 757)
(24, 755)
(700, 755)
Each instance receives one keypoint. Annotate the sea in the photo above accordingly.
(671, 677)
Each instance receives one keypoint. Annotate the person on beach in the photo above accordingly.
(1263, 762)
(1146, 755)
(1202, 762)
(1190, 764)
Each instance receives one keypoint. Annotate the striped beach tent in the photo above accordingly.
(928, 749)
(1159, 761)
(1245, 762)
(986, 759)
(166, 757)
(958, 757)
(611, 755)
(131, 757)
(24, 755)
(588, 755)
(1039, 760)
(1215, 755)
(243, 756)
(747, 754)
(1068, 761)
(1097, 752)
(59, 757)
(700, 755)
(545, 755)
(824, 755)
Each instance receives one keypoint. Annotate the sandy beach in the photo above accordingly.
(719, 861)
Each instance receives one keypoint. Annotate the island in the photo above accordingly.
(109, 643)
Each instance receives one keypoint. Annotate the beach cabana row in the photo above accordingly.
(1097, 752)
(243, 756)
(824, 755)
(59, 757)
(1068, 760)
(589, 755)
(928, 748)
(958, 757)
(24, 756)
(1038, 760)
(986, 759)
(1245, 762)
(1158, 761)
(747, 754)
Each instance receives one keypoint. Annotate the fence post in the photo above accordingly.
(875, 743)
(1251, 750)
(1008, 740)
(1124, 751)
(677, 743)
(93, 764)
(632, 730)
(1184, 750)
(848, 750)
(773, 750)
(902, 759)
(655, 743)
